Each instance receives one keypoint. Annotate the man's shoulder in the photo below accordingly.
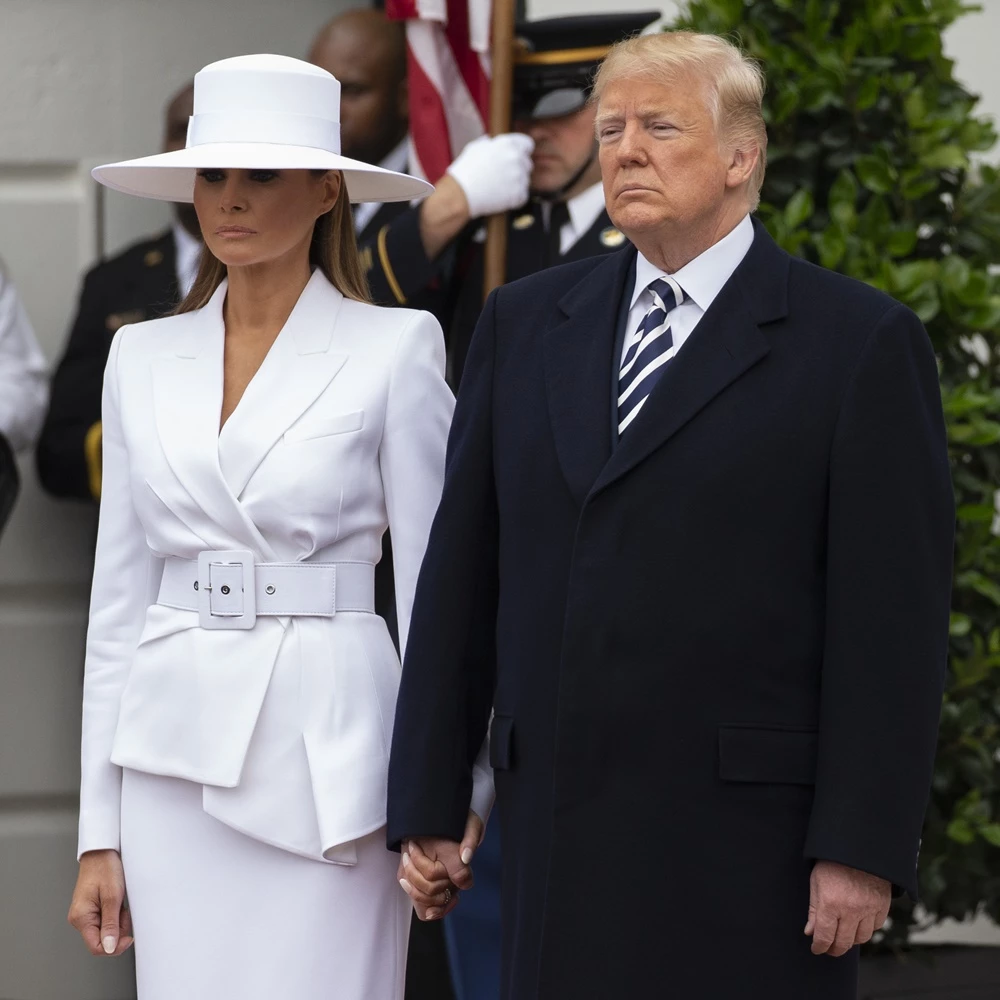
(557, 280)
(144, 256)
(819, 290)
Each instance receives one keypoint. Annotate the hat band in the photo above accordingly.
(268, 127)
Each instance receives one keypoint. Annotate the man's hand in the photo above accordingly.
(432, 870)
(846, 907)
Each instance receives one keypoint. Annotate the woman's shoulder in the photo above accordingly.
(387, 324)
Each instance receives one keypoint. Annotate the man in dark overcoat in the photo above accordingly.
(694, 554)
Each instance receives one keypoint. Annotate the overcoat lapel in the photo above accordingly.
(187, 401)
(726, 343)
(577, 351)
(299, 366)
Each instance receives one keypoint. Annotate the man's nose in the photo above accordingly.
(631, 147)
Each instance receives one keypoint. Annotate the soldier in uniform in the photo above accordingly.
(143, 282)
(550, 182)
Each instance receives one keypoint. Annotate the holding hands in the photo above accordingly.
(433, 870)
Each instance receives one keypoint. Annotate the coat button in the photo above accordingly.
(269, 589)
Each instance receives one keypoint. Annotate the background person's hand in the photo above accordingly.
(846, 907)
(494, 172)
(432, 865)
(98, 910)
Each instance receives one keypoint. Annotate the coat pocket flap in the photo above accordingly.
(502, 742)
(767, 755)
(340, 423)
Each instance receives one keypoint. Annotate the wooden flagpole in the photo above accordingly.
(501, 91)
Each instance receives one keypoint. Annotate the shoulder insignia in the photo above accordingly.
(116, 320)
(524, 221)
(612, 237)
(153, 258)
(367, 261)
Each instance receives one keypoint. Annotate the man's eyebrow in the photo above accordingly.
(608, 116)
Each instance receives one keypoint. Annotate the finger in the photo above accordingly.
(85, 916)
(460, 875)
(866, 931)
(416, 878)
(847, 931)
(433, 871)
(824, 932)
(127, 938)
(811, 921)
(111, 905)
(440, 912)
(424, 898)
(472, 838)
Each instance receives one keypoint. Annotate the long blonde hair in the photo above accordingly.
(333, 250)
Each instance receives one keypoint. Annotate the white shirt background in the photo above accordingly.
(24, 388)
(701, 279)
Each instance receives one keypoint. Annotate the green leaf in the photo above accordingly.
(799, 208)
(981, 513)
(961, 831)
(945, 158)
(991, 833)
(875, 173)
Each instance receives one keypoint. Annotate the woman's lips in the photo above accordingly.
(234, 232)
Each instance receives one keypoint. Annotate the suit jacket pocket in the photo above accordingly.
(767, 755)
(502, 743)
(339, 423)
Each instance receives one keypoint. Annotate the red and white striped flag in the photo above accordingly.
(448, 45)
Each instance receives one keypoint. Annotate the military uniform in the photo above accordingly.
(138, 284)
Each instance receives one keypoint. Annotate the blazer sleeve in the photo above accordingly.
(68, 456)
(889, 559)
(449, 671)
(124, 571)
(412, 453)
(395, 262)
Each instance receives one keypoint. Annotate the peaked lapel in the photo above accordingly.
(187, 402)
(296, 370)
(726, 343)
(577, 357)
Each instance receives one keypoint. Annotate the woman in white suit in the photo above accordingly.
(239, 688)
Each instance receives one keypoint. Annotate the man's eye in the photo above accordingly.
(211, 176)
(609, 133)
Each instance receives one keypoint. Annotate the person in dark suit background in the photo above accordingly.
(694, 553)
(143, 282)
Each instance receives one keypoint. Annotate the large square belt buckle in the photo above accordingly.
(227, 597)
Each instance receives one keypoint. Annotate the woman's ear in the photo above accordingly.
(333, 181)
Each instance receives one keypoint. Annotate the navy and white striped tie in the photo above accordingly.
(647, 352)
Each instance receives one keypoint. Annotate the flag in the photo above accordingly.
(448, 59)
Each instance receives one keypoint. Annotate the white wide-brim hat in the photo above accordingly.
(259, 112)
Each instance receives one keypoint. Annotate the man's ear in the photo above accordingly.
(741, 166)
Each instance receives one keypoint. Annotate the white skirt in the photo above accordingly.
(218, 915)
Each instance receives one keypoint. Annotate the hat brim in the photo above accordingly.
(171, 176)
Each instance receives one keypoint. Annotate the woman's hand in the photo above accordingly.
(99, 911)
(433, 870)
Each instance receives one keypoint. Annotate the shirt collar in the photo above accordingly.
(702, 278)
(399, 157)
(585, 207)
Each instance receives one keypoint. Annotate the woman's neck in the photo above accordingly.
(261, 297)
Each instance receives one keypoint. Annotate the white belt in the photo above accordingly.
(229, 591)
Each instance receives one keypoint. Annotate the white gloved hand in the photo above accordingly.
(494, 172)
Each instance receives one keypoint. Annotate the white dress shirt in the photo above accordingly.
(24, 388)
(397, 160)
(583, 209)
(701, 279)
(188, 258)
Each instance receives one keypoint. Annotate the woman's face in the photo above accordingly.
(250, 217)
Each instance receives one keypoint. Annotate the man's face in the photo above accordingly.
(373, 95)
(562, 147)
(662, 161)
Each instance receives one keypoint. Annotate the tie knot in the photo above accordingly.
(667, 293)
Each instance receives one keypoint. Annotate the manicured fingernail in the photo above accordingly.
(466, 855)
(407, 888)
(406, 859)
(109, 944)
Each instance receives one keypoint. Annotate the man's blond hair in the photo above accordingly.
(736, 84)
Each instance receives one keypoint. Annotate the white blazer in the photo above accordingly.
(339, 435)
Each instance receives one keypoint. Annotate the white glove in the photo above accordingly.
(494, 172)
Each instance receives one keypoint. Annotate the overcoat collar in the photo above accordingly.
(726, 343)
(215, 467)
